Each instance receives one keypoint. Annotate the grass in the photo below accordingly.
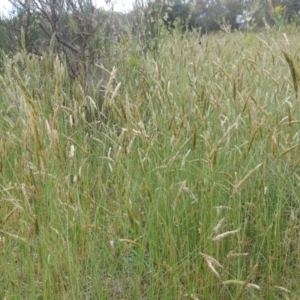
(184, 185)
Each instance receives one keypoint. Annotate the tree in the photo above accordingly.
(76, 25)
(182, 12)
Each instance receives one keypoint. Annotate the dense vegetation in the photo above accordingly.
(170, 171)
(184, 184)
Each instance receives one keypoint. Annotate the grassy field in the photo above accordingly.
(184, 185)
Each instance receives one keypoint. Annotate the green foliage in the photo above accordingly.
(183, 184)
(280, 15)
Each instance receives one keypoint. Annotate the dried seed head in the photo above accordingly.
(212, 263)
(72, 151)
(223, 235)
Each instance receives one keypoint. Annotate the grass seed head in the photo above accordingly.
(223, 235)
(212, 263)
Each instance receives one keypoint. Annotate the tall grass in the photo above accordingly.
(182, 184)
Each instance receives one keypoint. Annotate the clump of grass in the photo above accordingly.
(182, 184)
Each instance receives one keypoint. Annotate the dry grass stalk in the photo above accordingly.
(10, 214)
(181, 189)
(173, 159)
(274, 144)
(253, 134)
(258, 106)
(232, 254)
(212, 263)
(213, 152)
(282, 289)
(223, 71)
(238, 186)
(246, 282)
(221, 140)
(239, 282)
(191, 194)
(109, 89)
(288, 150)
(218, 226)
(223, 235)
(33, 117)
(54, 139)
(14, 236)
(294, 71)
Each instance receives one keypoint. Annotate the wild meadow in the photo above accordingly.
(174, 174)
